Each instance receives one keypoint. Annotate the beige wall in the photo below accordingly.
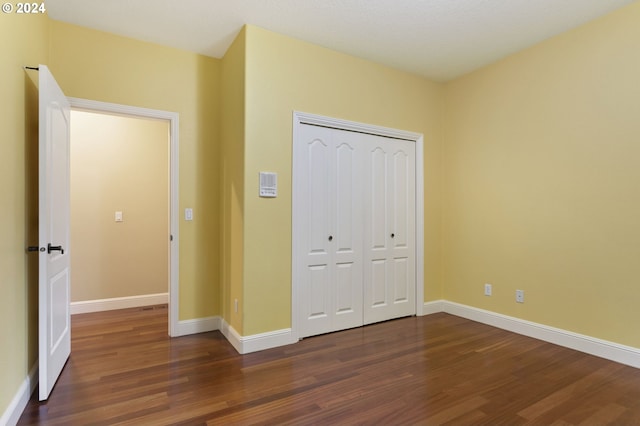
(99, 66)
(541, 182)
(233, 134)
(119, 164)
(283, 75)
(23, 41)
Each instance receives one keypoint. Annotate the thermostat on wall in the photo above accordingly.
(268, 184)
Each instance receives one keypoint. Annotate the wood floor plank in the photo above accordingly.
(437, 369)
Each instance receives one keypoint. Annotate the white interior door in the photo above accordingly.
(54, 315)
(330, 229)
(389, 235)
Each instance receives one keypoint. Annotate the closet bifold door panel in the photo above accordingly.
(330, 229)
(389, 229)
(354, 229)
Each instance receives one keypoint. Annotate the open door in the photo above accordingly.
(54, 220)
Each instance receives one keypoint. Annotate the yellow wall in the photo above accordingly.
(233, 124)
(283, 75)
(541, 182)
(99, 66)
(119, 164)
(23, 41)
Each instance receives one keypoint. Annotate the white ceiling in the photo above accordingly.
(438, 39)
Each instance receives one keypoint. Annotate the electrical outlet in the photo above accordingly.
(487, 289)
(520, 296)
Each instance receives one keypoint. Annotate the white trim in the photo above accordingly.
(198, 325)
(297, 213)
(257, 342)
(19, 402)
(174, 178)
(300, 118)
(602, 348)
(337, 123)
(420, 226)
(111, 304)
(433, 307)
(232, 336)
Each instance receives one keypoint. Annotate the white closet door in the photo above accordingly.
(389, 234)
(331, 230)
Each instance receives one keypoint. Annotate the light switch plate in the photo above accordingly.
(188, 214)
(119, 217)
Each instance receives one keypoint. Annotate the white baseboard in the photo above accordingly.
(433, 307)
(257, 342)
(100, 305)
(198, 325)
(232, 336)
(602, 348)
(19, 402)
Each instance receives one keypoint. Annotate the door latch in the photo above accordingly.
(51, 248)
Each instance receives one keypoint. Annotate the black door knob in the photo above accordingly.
(393, 235)
(330, 237)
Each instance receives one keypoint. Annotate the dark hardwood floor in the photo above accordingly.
(437, 369)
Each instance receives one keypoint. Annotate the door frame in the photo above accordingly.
(303, 118)
(174, 134)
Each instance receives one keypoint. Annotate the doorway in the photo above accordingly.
(124, 207)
